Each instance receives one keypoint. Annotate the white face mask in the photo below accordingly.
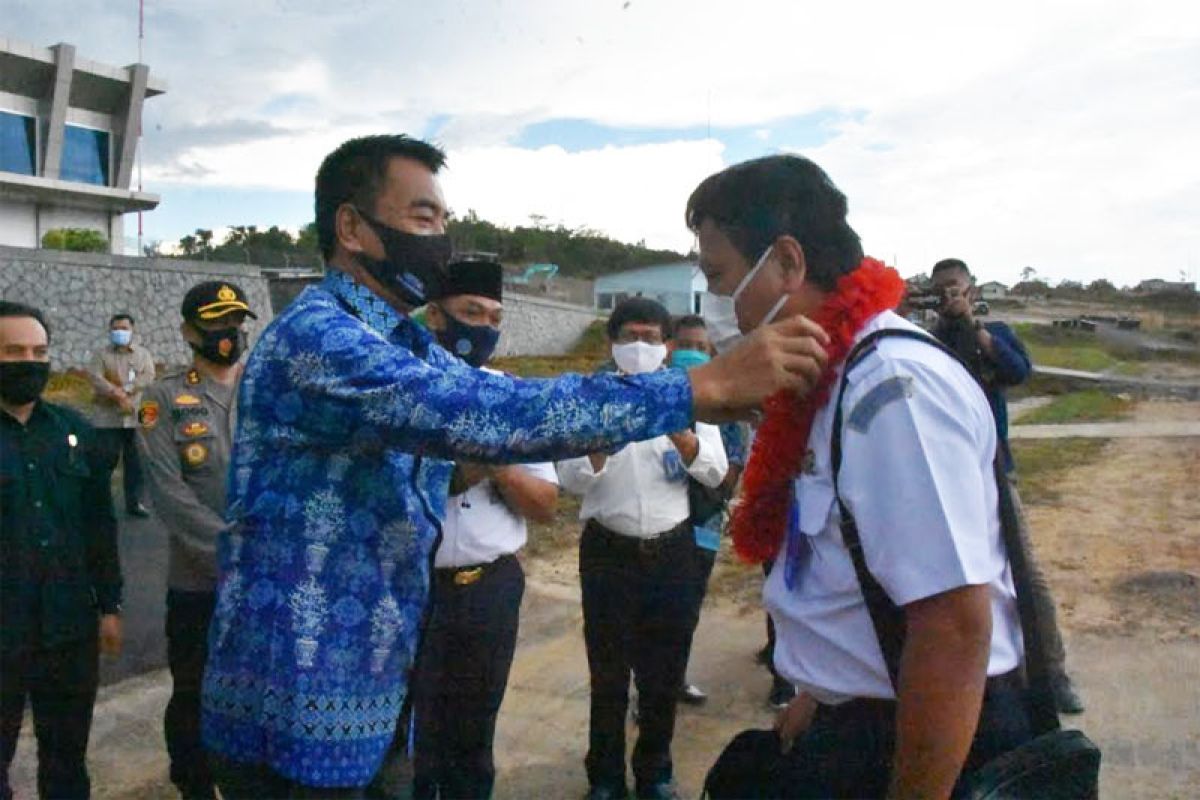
(638, 357)
(720, 311)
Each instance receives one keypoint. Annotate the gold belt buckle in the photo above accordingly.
(465, 577)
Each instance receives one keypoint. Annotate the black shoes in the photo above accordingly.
(782, 693)
(137, 510)
(606, 792)
(1066, 699)
(692, 695)
(659, 791)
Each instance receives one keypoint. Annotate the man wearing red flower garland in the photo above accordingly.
(917, 449)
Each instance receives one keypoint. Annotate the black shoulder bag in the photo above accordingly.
(1056, 763)
(705, 502)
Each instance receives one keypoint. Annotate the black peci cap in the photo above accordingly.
(213, 300)
(478, 276)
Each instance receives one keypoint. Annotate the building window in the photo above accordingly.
(697, 299)
(85, 155)
(18, 143)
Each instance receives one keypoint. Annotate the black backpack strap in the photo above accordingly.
(886, 617)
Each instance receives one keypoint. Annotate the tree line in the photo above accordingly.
(579, 252)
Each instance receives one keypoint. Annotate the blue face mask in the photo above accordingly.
(686, 359)
(120, 337)
(474, 344)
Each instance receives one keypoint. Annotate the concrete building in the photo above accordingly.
(993, 290)
(68, 140)
(1156, 285)
(680, 287)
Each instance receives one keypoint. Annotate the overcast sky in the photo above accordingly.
(1058, 134)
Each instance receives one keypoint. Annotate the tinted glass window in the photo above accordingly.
(85, 156)
(18, 148)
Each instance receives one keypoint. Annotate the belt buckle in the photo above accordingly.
(465, 577)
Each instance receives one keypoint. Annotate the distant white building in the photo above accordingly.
(68, 140)
(678, 286)
(1155, 285)
(993, 290)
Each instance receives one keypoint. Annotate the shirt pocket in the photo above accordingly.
(827, 569)
(814, 502)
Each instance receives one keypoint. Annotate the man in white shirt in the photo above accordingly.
(119, 372)
(917, 449)
(639, 571)
(463, 665)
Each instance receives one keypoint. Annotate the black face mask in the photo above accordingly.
(415, 265)
(223, 346)
(474, 344)
(23, 382)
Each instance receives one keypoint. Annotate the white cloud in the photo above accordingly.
(1056, 133)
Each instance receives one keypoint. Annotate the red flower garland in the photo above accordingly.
(760, 517)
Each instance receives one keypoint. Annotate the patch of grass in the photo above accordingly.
(1071, 349)
(1041, 464)
(1092, 405)
(545, 366)
(69, 389)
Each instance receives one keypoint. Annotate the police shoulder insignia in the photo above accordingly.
(898, 387)
(148, 414)
(195, 454)
(193, 377)
(186, 399)
(194, 428)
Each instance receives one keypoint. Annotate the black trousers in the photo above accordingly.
(848, 749)
(462, 674)
(60, 683)
(188, 618)
(117, 444)
(639, 609)
(705, 561)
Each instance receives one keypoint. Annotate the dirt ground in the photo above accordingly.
(1120, 540)
(1120, 543)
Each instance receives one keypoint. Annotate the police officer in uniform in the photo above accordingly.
(186, 423)
(463, 666)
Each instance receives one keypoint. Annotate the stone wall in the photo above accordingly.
(80, 291)
(536, 327)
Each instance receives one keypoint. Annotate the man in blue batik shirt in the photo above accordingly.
(349, 419)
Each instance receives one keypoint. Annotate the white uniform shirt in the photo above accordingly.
(642, 489)
(918, 441)
(480, 527)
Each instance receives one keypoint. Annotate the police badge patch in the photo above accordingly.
(148, 414)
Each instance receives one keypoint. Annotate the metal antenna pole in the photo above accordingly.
(141, 36)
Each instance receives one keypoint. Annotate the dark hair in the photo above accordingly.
(638, 309)
(8, 308)
(119, 317)
(756, 202)
(951, 263)
(354, 173)
(688, 321)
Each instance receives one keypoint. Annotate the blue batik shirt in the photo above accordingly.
(348, 416)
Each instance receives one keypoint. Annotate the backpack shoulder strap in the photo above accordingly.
(886, 617)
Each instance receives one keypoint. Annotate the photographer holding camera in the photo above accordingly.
(998, 360)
